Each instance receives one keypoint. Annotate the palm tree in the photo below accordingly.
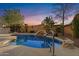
(48, 24)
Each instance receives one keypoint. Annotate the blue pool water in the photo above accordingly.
(36, 41)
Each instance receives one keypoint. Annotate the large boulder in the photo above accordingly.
(68, 44)
(41, 33)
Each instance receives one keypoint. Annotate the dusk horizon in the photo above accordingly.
(35, 13)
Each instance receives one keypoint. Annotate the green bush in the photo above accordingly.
(75, 24)
(18, 28)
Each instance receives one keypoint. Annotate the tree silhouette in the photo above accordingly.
(48, 24)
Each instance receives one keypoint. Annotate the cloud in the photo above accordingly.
(35, 20)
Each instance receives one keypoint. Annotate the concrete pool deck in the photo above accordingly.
(24, 51)
(28, 51)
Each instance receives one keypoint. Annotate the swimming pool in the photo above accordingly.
(36, 41)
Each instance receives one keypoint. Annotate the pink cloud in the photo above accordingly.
(37, 19)
(34, 20)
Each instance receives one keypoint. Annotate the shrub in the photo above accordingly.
(75, 24)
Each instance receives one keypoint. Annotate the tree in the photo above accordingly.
(76, 26)
(48, 24)
(63, 11)
(13, 16)
(15, 28)
(22, 28)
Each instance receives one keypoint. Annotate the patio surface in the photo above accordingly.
(28, 51)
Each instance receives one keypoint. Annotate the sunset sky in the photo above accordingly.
(33, 13)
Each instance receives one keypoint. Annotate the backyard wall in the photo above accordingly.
(68, 31)
(4, 30)
(35, 28)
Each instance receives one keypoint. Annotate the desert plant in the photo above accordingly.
(75, 25)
